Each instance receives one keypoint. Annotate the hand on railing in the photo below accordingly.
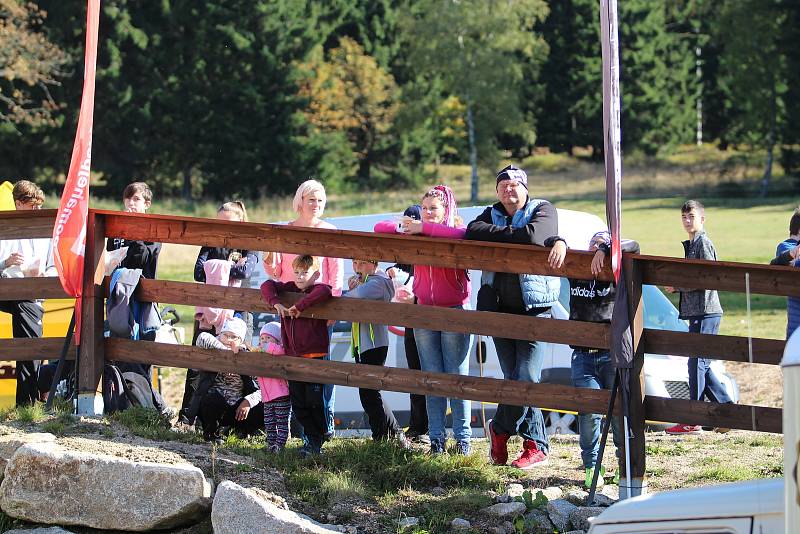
(557, 254)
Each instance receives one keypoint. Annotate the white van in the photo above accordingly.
(665, 376)
(751, 507)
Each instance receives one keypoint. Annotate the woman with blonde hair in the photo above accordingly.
(309, 204)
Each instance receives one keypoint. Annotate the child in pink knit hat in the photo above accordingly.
(274, 391)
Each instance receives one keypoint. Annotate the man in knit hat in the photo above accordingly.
(517, 218)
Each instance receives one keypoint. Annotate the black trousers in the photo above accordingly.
(380, 416)
(26, 322)
(216, 413)
(308, 407)
(418, 423)
(190, 384)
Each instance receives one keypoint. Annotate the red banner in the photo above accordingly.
(69, 233)
(612, 136)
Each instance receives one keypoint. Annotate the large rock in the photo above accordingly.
(237, 509)
(505, 509)
(45, 483)
(558, 511)
(580, 516)
(39, 530)
(11, 442)
(540, 522)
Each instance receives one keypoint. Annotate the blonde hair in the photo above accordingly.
(309, 263)
(26, 192)
(234, 206)
(305, 189)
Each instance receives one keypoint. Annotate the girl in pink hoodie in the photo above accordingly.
(274, 391)
(441, 352)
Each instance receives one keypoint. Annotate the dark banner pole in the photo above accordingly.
(61, 362)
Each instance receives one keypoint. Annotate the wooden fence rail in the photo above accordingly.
(415, 250)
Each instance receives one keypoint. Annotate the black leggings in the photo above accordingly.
(381, 418)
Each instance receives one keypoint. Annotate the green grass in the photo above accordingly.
(399, 480)
(7, 522)
(148, 423)
(724, 473)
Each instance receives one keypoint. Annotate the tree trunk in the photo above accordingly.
(187, 184)
(473, 154)
(765, 180)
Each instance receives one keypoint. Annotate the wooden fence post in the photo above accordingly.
(92, 357)
(636, 415)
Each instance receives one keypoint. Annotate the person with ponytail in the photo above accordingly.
(440, 352)
(238, 264)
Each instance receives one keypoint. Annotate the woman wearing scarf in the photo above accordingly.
(440, 352)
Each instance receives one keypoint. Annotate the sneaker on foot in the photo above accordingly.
(415, 436)
(587, 482)
(498, 446)
(684, 430)
(401, 440)
(437, 446)
(530, 457)
(462, 447)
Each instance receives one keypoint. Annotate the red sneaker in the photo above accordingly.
(498, 446)
(684, 430)
(530, 457)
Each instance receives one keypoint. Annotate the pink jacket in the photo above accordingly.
(272, 388)
(331, 273)
(436, 286)
(218, 274)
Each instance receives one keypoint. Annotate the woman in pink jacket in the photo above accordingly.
(309, 203)
(441, 352)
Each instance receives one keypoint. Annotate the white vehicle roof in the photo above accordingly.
(737, 499)
(576, 227)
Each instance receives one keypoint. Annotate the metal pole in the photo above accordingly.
(61, 362)
(603, 438)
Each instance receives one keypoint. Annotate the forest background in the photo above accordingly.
(246, 98)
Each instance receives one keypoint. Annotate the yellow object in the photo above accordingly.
(57, 313)
(6, 197)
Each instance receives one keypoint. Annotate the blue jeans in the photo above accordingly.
(521, 360)
(445, 352)
(593, 370)
(703, 381)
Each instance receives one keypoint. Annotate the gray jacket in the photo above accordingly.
(699, 302)
(378, 286)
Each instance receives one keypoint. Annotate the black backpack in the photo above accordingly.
(123, 390)
(116, 396)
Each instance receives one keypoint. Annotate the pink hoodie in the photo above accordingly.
(273, 388)
(436, 286)
(218, 274)
(331, 273)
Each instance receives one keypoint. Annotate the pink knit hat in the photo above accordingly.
(445, 194)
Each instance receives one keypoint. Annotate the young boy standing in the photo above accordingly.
(786, 254)
(304, 337)
(371, 346)
(143, 255)
(702, 309)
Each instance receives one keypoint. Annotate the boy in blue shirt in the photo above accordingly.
(786, 254)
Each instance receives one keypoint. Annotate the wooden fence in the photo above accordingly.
(640, 269)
